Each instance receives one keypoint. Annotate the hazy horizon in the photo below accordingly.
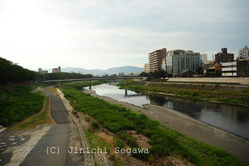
(102, 34)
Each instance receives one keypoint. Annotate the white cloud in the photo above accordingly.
(105, 33)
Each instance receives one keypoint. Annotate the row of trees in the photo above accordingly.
(11, 73)
(63, 75)
(156, 74)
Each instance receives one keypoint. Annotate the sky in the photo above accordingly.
(99, 34)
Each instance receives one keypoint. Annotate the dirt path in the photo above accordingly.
(190, 127)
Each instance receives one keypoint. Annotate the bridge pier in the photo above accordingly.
(61, 83)
(126, 92)
(109, 81)
(90, 84)
(125, 81)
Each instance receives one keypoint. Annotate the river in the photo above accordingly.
(234, 119)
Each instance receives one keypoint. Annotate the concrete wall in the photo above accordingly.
(240, 80)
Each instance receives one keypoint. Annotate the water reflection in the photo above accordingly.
(234, 119)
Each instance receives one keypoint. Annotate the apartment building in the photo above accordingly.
(224, 56)
(155, 59)
(244, 52)
(146, 67)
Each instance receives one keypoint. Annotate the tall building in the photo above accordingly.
(146, 67)
(203, 58)
(56, 70)
(223, 56)
(243, 52)
(155, 59)
(178, 61)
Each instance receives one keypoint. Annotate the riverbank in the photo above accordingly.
(18, 103)
(190, 127)
(216, 93)
(244, 81)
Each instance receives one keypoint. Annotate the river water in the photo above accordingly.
(234, 119)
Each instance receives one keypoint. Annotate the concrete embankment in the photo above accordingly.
(207, 80)
(190, 127)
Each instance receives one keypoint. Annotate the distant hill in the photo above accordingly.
(84, 71)
(110, 71)
(123, 69)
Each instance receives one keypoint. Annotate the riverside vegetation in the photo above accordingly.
(17, 103)
(41, 118)
(212, 93)
(163, 140)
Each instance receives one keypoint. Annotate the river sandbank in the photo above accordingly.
(190, 127)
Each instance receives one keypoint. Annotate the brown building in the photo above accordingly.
(42, 71)
(187, 73)
(56, 70)
(155, 59)
(223, 56)
(214, 71)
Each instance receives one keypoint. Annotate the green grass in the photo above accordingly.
(195, 92)
(95, 141)
(79, 85)
(164, 141)
(41, 118)
(17, 103)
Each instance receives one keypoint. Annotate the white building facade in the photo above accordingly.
(229, 69)
(180, 60)
(244, 52)
(203, 58)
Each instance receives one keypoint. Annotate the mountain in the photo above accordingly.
(84, 71)
(110, 71)
(124, 69)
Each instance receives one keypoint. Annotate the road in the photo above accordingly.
(46, 145)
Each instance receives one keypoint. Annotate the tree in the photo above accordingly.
(200, 71)
(144, 74)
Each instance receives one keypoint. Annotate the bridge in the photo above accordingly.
(94, 79)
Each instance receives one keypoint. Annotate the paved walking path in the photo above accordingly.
(100, 158)
(45, 145)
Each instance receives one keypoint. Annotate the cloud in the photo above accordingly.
(106, 33)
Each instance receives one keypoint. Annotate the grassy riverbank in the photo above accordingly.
(79, 85)
(164, 141)
(212, 93)
(41, 118)
(18, 103)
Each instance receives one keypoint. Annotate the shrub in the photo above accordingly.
(119, 143)
(95, 125)
(19, 103)
(159, 151)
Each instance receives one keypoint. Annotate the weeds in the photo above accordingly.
(164, 141)
(19, 103)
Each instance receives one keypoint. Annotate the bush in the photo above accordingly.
(129, 139)
(119, 143)
(141, 156)
(19, 103)
(95, 125)
(159, 151)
